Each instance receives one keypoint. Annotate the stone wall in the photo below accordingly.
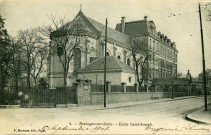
(86, 97)
(98, 98)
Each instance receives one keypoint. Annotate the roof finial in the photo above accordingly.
(80, 7)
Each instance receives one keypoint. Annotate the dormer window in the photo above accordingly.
(159, 34)
(152, 30)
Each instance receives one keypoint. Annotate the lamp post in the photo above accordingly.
(188, 78)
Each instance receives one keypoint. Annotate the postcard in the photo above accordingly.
(105, 67)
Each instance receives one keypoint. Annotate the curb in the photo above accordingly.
(9, 106)
(196, 121)
(190, 118)
(41, 106)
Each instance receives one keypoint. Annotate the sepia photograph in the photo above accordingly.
(105, 67)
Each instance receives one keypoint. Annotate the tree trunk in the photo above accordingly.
(16, 85)
(28, 72)
(137, 71)
(65, 86)
(35, 82)
(1, 78)
(137, 74)
(16, 71)
(65, 79)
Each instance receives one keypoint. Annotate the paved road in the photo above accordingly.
(158, 118)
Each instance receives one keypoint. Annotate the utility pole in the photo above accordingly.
(105, 64)
(203, 60)
(172, 90)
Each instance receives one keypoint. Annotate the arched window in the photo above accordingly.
(128, 61)
(107, 54)
(119, 57)
(77, 59)
(60, 51)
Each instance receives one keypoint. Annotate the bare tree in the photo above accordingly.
(39, 58)
(180, 75)
(5, 58)
(206, 7)
(30, 41)
(16, 62)
(140, 56)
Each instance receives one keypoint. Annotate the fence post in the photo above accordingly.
(79, 88)
(108, 86)
(155, 88)
(75, 85)
(136, 87)
(147, 89)
(89, 82)
(123, 84)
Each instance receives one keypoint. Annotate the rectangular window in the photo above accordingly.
(153, 59)
(153, 45)
(129, 79)
(150, 43)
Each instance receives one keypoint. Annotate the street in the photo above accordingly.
(152, 118)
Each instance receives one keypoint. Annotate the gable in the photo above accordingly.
(90, 26)
(84, 25)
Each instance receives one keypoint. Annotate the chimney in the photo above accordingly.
(174, 45)
(123, 24)
(145, 18)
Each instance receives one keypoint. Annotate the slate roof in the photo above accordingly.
(111, 33)
(112, 64)
(140, 27)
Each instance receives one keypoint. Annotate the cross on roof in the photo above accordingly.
(80, 7)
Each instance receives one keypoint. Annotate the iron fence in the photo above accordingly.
(117, 88)
(130, 89)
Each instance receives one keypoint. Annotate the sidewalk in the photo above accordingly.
(126, 104)
(200, 116)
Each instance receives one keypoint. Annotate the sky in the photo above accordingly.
(177, 19)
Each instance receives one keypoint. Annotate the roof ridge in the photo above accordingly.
(108, 26)
(113, 64)
(91, 63)
(133, 21)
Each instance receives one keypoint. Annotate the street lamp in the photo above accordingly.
(188, 78)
